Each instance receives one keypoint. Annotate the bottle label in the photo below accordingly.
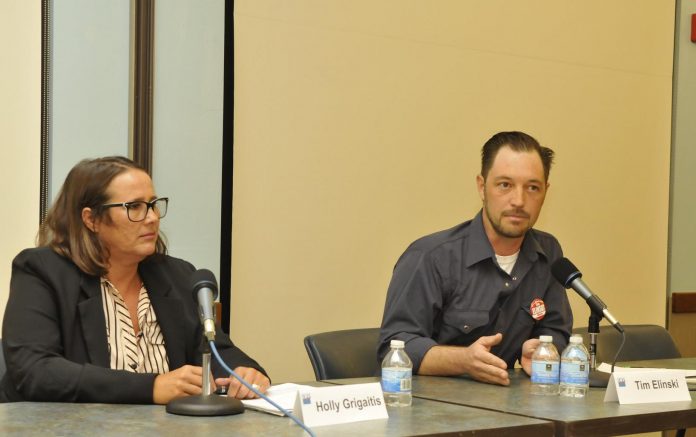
(396, 380)
(575, 373)
(545, 372)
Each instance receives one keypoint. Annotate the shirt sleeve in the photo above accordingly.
(558, 320)
(414, 299)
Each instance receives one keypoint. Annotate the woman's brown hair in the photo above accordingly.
(85, 187)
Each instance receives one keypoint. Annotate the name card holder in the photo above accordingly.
(637, 387)
(340, 404)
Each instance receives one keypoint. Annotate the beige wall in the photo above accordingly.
(20, 121)
(358, 126)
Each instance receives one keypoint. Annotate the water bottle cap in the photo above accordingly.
(576, 339)
(545, 338)
(397, 343)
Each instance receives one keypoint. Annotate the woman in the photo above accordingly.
(98, 312)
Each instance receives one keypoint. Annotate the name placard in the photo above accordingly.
(636, 387)
(340, 404)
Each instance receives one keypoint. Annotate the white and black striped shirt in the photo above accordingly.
(142, 353)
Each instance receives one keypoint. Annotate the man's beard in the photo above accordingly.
(501, 230)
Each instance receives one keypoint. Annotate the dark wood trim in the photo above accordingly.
(143, 51)
(684, 302)
(227, 170)
(218, 313)
(45, 106)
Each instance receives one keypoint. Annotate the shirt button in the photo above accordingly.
(466, 326)
(507, 284)
(514, 278)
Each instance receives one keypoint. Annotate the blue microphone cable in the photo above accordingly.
(261, 395)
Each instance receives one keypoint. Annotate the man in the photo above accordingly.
(474, 299)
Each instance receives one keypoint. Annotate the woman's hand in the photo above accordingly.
(235, 388)
(184, 381)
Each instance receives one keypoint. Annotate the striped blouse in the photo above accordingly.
(141, 353)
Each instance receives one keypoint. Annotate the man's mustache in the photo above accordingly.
(516, 213)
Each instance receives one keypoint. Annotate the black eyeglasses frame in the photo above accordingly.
(150, 206)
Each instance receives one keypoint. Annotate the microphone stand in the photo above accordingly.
(206, 404)
(597, 378)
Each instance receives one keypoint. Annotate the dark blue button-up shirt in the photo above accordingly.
(447, 289)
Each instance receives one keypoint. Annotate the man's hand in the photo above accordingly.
(475, 360)
(528, 348)
(184, 381)
(252, 376)
(482, 365)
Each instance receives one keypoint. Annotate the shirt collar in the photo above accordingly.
(480, 248)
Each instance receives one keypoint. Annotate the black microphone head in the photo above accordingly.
(565, 272)
(203, 278)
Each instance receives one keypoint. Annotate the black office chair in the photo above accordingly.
(643, 342)
(350, 353)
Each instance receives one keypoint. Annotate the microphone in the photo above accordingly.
(205, 291)
(570, 277)
(204, 288)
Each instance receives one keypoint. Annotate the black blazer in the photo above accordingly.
(54, 331)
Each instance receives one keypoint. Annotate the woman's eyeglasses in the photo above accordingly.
(137, 210)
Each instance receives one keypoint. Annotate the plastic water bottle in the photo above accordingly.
(545, 367)
(575, 369)
(396, 376)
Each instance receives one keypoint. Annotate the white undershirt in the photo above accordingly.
(507, 262)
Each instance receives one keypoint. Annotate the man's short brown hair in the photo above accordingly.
(517, 141)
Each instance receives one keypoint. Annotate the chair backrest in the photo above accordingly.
(351, 353)
(643, 342)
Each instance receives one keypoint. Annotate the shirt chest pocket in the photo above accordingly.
(465, 321)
